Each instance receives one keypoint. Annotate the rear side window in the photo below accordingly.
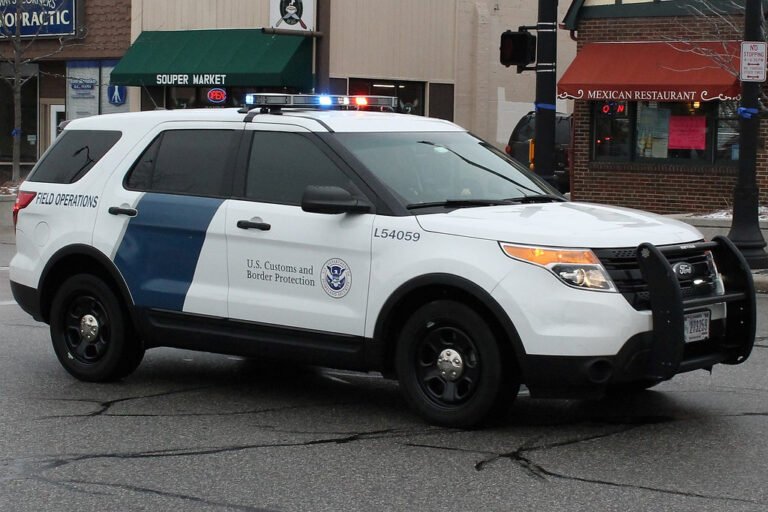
(192, 162)
(73, 155)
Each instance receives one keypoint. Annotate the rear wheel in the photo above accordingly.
(450, 367)
(91, 333)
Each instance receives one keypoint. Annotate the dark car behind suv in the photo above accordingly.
(519, 143)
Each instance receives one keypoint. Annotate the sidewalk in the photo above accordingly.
(7, 235)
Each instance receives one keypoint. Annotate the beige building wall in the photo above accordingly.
(396, 39)
(432, 41)
(491, 98)
(197, 14)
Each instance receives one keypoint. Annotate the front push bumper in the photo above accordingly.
(662, 353)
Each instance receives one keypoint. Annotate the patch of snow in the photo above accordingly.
(762, 214)
(8, 189)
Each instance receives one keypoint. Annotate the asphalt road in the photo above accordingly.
(191, 431)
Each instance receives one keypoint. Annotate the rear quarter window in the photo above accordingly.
(73, 155)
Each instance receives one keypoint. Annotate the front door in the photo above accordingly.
(57, 116)
(288, 267)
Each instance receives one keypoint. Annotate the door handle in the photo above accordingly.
(117, 210)
(247, 224)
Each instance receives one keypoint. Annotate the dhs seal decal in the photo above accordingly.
(336, 278)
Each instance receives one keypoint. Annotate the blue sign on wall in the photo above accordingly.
(116, 94)
(40, 18)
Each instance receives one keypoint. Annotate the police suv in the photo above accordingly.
(361, 240)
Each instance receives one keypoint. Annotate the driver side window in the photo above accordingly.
(283, 164)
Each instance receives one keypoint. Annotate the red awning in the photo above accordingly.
(673, 71)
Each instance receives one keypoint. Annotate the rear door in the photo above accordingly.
(288, 267)
(162, 223)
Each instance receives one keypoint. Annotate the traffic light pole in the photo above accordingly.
(745, 227)
(546, 88)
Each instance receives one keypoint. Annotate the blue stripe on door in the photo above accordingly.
(159, 252)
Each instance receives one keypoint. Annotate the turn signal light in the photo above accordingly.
(22, 201)
(543, 256)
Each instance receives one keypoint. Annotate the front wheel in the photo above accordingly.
(449, 365)
(91, 333)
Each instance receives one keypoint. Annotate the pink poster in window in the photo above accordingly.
(687, 132)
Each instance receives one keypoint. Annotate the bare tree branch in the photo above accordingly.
(15, 54)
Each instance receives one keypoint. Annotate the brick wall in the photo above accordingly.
(662, 188)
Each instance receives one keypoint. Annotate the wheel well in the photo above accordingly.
(67, 267)
(416, 298)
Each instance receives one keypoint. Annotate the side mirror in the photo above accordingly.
(332, 200)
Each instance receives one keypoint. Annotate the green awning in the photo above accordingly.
(210, 58)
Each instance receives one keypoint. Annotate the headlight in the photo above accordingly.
(717, 277)
(579, 268)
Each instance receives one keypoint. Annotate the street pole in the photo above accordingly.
(745, 227)
(323, 47)
(546, 88)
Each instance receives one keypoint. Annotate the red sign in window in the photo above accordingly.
(612, 108)
(217, 95)
(687, 132)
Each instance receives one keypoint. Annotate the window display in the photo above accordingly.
(650, 130)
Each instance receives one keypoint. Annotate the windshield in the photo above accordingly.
(438, 167)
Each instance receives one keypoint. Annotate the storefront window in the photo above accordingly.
(213, 97)
(727, 131)
(28, 121)
(410, 94)
(612, 131)
(649, 130)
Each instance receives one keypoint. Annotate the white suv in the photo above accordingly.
(370, 241)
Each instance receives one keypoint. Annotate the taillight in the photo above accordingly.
(508, 150)
(22, 201)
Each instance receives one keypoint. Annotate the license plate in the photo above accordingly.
(696, 326)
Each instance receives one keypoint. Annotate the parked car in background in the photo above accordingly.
(520, 142)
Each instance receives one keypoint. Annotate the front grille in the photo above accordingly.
(621, 264)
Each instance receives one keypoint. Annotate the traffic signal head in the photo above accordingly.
(517, 48)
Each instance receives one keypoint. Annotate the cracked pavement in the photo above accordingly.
(198, 431)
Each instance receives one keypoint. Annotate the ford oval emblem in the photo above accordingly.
(683, 269)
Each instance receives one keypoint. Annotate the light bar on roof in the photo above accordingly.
(318, 101)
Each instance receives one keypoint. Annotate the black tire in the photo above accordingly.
(111, 350)
(478, 389)
(630, 388)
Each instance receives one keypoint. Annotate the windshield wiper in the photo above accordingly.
(482, 167)
(460, 203)
(539, 198)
